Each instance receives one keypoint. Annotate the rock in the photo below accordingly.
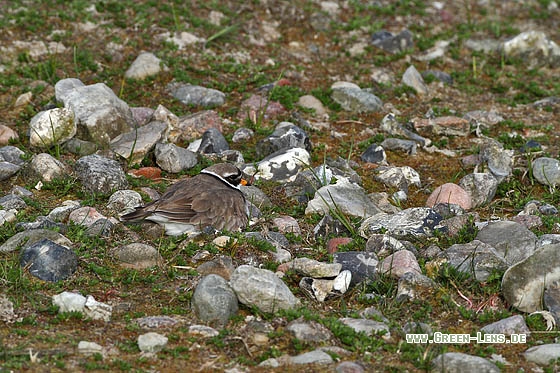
(361, 264)
(258, 108)
(174, 159)
(145, 65)
(499, 160)
(356, 100)
(414, 285)
(442, 126)
(99, 174)
(278, 240)
(311, 102)
(312, 357)
(390, 125)
(384, 244)
(52, 127)
(89, 348)
(309, 331)
(393, 43)
(287, 224)
(286, 135)
(547, 171)
(46, 168)
(124, 201)
(137, 255)
(476, 258)
(7, 134)
(459, 362)
(190, 94)
(80, 147)
(343, 197)
(151, 342)
(85, 216)
(534, 47)
(369, 327)
(313, 268)
(510, 325)
(62, 213)
(135, 145)
(413, 79)
(318, 289)
(49, 261)
(342, 282)
(282, 166)
(484, 118)
(349, 367)
(242, 134)
(221, 266)
(180, 39)
(398, 177)
(543, 354)
(203, 331)
(374, 154)
(214, 301)
(262, 288)
(437, 74)
(512, 241)
(452, 194)
(333, 244)
(190, 127)
(74, 302)
(156, 322)
(399, 263)
(524, 283)
(480, 186)
(212, 142)
(11, 201)
(415, 222)
(23, 240)
(99, 113)
(407, 146)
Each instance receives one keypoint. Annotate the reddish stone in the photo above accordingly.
(450, 193)
(152, 173)
(282, 82)
(334, 243)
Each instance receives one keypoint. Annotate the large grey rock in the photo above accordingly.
(543, 354)
(99, 174)
(281, 166)
(46, 167)
(534, 47)
(213, 142)
(214, 301)
(356, 99)
(49, 261)
(285, 136)
(190, 94)
(174, 159)
(345, 197)
(134, 145)
(512, 240)
(480, 186)
(415, 222)
(52, 127)
(392, 43)
(145, 65)
(137, 255)
(510, 325)
(476, 258)
(524, 283)
(413, 79)
(100, 114)
(458, 362)
(22, 240)
(498, 159)
(10, 161)
(547, 171)
(262, 288)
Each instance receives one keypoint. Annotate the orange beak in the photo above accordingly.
(244, 182)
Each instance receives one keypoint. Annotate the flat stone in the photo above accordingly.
(460, 362)
(512, 240)
(49, 261)
(543, 354)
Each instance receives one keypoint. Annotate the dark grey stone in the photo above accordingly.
(99, 174)
(374, 154)
(362, 264)
(49, 261)
(213, 142)
(285, 136)
(214, 301)
(392, 43)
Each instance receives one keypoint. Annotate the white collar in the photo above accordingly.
(221, 178)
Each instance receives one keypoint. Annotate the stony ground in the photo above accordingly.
(258, 43)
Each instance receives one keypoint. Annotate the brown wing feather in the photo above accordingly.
(184, 202)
